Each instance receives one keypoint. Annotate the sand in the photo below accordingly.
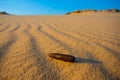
(26, 41)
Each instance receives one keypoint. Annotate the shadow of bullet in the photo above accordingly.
(82, 60)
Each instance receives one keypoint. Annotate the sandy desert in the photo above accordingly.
(26, 41)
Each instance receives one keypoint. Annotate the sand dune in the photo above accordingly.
(25, 42)
(91, 11)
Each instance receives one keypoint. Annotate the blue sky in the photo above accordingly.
(44, 7)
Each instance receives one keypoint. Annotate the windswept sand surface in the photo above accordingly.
(25, 42)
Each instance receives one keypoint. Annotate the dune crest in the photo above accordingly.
(93, 11)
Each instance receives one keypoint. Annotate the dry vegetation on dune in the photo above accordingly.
(25, 42)
(91, 11)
